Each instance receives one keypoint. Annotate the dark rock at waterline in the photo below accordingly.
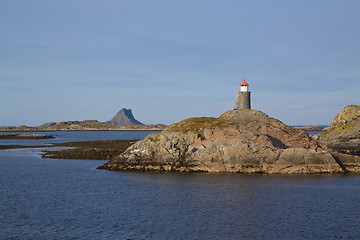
(97, 150)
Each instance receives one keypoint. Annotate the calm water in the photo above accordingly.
(73, 136)
(70, 199)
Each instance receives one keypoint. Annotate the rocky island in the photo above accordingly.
(122, 121)
(242, 141)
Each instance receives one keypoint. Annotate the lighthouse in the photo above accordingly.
(243, 97)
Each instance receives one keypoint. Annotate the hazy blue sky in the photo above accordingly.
(168, 60)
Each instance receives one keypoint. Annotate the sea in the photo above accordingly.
(71, 199)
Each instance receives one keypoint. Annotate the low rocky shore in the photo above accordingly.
(86, 125)
(5, 147)
(26, 136)
(97, 150)
(242, 141)
(310, 128)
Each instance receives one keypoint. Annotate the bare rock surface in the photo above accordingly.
(244, 141)
(343, 134)
(347, 115)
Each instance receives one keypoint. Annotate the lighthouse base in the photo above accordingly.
(243, 100)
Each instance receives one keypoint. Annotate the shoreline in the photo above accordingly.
(81, 150)
(106, 150)
(25, 136)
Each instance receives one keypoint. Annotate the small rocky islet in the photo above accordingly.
(25, 136)
(246, 141)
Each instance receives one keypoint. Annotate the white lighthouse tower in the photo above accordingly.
(243, 97)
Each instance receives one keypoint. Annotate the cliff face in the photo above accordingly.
(124, 117)
(344, 132)
(245, 141)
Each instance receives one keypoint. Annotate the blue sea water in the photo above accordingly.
(71, 199)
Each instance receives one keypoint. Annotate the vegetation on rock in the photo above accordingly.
(198, 124)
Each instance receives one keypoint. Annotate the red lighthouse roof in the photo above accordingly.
(244, 83)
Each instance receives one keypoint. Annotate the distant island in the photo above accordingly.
(122, 121)
(310, 128)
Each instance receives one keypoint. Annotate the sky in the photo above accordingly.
(169, 60)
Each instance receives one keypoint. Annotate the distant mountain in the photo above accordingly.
(122, 121)
(124, 117)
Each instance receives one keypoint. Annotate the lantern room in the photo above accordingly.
(244, 87)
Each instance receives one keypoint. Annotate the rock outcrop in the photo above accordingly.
(244, 141)
(346, 116)
(343, 134)
(124, 117)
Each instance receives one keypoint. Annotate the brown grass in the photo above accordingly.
(196, 125)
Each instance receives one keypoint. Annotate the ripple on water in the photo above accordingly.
(65, 199)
